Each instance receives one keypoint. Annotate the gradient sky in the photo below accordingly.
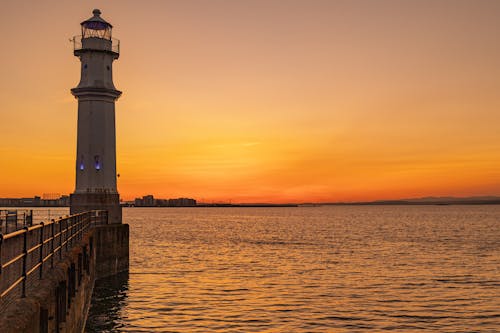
(263, 100)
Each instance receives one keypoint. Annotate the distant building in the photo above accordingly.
(145, 201)
(51, 196)
(64, 200)
(181, 202)
(150, 201)
(36, 201)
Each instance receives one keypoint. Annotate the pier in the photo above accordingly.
(48, 270)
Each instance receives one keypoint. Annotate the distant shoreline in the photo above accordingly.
(410, 203)
(219, 206)
(431, 201)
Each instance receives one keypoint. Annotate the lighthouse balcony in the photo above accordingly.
(80, 45)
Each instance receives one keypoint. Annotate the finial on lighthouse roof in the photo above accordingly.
(96, 12)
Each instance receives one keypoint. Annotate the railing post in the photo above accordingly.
(80, 220)
(60, 239)
(25, 258)
(52, 245)
(66, 234)
(1, 242)
(76, 227)
(70, 233)
(41, 251)
(74, 221)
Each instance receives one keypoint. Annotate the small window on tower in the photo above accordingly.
(81, 166)
(85, 66)
(97, 162)
(108, 68)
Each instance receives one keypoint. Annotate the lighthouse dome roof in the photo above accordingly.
(96, 22)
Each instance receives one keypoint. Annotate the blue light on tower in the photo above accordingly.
(97, 163)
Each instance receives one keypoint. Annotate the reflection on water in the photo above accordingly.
(307, 269)
(108, 301)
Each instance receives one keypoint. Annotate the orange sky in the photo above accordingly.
(263, 100)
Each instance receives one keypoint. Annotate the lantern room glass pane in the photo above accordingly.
(96, 29)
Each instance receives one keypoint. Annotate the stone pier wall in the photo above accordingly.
(112, 251)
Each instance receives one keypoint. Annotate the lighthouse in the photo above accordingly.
(96, 139)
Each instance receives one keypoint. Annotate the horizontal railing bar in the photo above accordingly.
(12, 286)
(10, 262)
(40, 225)
(13, 234)
(34, 248)
(47, 257)
(73, 236)
(33, 269)
(37, 226)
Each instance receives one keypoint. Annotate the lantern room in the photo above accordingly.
(96, 37)
(96, 27)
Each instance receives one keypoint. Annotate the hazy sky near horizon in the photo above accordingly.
(263, 100)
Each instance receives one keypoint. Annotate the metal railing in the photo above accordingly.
(14, 219)
(26, 251)
(78, 45)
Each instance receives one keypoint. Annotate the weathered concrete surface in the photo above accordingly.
(112, 249)
(61, 300)
(84, 202)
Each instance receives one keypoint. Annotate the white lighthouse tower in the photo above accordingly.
(96, 145)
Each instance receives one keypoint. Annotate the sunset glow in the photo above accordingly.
(263, 101)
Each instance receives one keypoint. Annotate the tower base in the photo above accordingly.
(83, 202)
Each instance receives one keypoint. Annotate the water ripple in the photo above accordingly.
(314, 269)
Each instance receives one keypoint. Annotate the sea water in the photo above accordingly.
(306, 269)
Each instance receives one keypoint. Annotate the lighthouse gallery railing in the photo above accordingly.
(77, 44)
